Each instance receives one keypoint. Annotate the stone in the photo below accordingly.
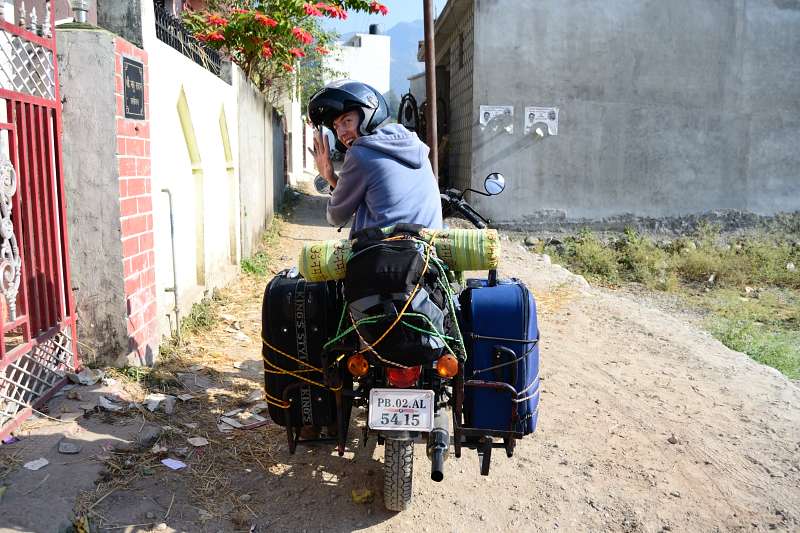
(163, 401)
(37, 464)
(74, 395)
(87, 376)
(197, 441)
(675, 494)
(672, 439)
(68, 447)
(150, 515)
(244, 498)
(109, 405)
(791, 267)
(530, 240)
(581, 282)
(149, 435)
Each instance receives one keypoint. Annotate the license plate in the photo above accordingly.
(401, 409)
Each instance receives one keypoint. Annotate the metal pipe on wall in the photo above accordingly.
(430, 87)
(174, 288)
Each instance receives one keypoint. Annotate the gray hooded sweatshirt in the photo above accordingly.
(386, 179)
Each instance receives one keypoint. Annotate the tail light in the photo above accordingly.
(403, 377)
(358, 365)
(447, 366)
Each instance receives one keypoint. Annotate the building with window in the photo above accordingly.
(364, 57)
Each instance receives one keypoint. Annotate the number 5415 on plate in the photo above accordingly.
(401, 409)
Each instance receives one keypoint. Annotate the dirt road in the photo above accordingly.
(646, 424)
(620, 380)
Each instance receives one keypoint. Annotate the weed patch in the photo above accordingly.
(202, 317)
(779, 349)
(750, 285)
(258, 263)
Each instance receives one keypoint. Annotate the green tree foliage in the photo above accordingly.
(279, 44)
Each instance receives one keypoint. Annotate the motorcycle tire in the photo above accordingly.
(398, 469)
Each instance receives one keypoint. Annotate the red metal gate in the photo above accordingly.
(37, 315)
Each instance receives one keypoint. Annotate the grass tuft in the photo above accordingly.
(750, 285)
(258, 264)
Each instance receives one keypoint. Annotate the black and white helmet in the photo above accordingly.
(346, 95)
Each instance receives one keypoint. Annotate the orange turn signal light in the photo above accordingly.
(447, 366)
(358, 365)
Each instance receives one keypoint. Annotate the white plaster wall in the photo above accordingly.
(207, 96)
(368, 63)
(418, 88)
(296, 129)
(256, 164)
(310, 166)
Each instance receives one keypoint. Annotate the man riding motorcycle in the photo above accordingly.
(386, 177)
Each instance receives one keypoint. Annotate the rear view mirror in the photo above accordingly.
(494, 183)
(321, 185)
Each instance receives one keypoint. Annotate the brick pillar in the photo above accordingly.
(136, 215)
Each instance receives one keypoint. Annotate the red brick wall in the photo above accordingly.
(136, 215)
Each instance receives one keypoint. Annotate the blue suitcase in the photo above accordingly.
(501, 334)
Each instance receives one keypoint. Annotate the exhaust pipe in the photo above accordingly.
(439, 444)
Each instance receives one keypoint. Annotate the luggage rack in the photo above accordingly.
(481, 439)
(342, 423)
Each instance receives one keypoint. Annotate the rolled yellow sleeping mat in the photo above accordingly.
(460, 249)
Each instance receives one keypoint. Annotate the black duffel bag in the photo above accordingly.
(382, 273)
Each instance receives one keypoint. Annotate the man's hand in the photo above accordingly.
(322, 157)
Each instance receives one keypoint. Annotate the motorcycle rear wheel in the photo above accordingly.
(398, 469)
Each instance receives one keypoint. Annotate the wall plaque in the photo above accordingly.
(133, 83)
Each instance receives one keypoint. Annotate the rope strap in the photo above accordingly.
(275, 369)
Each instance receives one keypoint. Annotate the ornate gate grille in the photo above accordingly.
(37, 316)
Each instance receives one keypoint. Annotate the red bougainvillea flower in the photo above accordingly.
(341, 13)
(302, 35)
(377, 7)
(200, 37)
(332, 10)
(322, 50)
(288, 67)
(296, 52)
(312, 10)
(266, 50)
(265, 20)
(216, 20)
(215, 36)
(240, 11)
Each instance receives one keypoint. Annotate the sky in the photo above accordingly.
(399, 11)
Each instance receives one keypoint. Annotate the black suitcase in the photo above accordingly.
(298, 317)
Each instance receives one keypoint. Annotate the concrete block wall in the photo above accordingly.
(91, 180)
(136, 214)
(107, 172)
(455, 82)
(667, 109)
(460, 105)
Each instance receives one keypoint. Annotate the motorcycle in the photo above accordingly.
(406, 402)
